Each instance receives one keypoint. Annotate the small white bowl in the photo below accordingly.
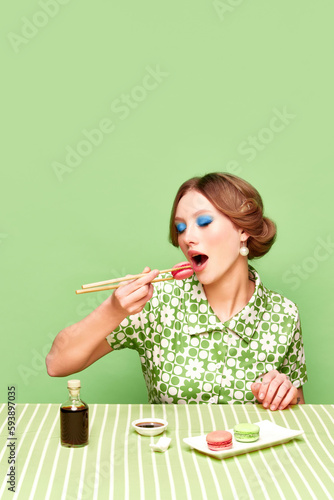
(150, 431)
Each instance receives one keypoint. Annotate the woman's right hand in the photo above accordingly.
(81, 344)
(131, 297)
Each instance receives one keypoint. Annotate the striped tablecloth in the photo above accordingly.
(119, 464)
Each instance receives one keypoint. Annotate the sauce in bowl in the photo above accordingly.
(149, 425)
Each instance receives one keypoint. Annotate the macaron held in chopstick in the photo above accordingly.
(182, 274)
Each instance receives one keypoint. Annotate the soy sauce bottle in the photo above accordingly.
(74, 418)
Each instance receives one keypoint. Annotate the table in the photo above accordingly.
(119, 464)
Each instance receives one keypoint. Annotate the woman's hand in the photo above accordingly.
(131, 297)
(276, 391)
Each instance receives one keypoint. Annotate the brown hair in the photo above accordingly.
(239, 201)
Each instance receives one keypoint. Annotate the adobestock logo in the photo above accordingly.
(301, 272)
(121, 107)
(223, 8)
(31, 27)
(263, 480)
(86, 304)
(93, 138)
(36, 363)
(90, 301)
(86, 486)
(257, 143)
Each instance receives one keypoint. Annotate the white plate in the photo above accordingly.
(270, 435)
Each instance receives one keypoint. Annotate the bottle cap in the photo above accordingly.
(73, 384)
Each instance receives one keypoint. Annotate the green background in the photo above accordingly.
(228, 69)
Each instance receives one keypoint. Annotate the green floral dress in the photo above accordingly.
(189, 356)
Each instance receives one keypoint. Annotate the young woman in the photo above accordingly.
(219, 336)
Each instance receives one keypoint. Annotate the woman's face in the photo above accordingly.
(208, 239)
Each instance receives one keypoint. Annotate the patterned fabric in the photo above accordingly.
(189, 356)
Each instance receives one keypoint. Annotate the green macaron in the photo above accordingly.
(246, 433)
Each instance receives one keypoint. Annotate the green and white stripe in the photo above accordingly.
(119, 464)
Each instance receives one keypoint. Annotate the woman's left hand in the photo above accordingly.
(276, 391)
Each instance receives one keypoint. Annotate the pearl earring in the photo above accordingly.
(244, 251)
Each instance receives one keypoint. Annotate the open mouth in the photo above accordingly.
(199, 261)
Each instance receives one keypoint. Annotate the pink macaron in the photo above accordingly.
(182, 274)
(219, 440)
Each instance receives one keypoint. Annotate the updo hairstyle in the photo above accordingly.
(239, 201)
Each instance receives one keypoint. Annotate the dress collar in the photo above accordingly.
(245, 322)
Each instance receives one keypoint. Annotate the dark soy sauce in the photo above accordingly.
(74, 426)
(149, 425)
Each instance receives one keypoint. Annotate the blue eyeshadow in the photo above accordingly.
(204, 220)
(180, 227)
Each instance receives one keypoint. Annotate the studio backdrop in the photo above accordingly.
(107, 107)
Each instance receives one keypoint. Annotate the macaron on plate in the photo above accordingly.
(219, 440)
(269, 434)
(246, 433)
